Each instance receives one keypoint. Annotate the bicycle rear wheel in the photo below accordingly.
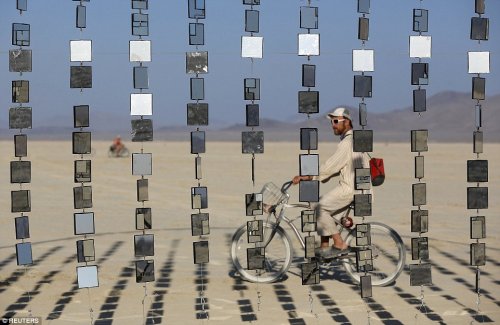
(278, 254)
(388, 253)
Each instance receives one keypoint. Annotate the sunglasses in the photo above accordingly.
(336, 121)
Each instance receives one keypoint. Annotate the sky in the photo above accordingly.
(108, 26)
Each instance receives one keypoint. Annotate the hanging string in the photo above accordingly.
(311, 305)
(30, 314)
(91, 311)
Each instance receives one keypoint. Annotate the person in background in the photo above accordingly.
(343, 164)
(117, 145)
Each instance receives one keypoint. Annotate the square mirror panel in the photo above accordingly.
(140, 24)
(420, 20)
(477, 141)
(200, 252)
(144, 271)
(82, 197)
(366, 286)
(253, 204)
(478, 254)
(81, 76)
(362, 179)
(420, 248)
(478, 116)
(196, 62)
(363, 86)
(141, 78)
(199, 198)
(308, 75)
(363, 28)
(197, 114)
(308, 102)
(477, 227)
(144, 245)
(364, 6)
(22, 227)
(363, 141)
(20, 118)
(20, 60)
(82, 143)
(363, 234)
(479, 62)
(478, 88)
(251, 2)
(140, 51)
(22, 5)
(80, 51)
(196, 9)
(310, 273)
(419, 140)
(309, 191)
(308, 220)
(420, 274)
(309, 17)
(81, 117)
(141, 104)
(255, 258)
(200, 224)
(251, 88)
(20, 171)
(197, 168)
(252, 142)
(309, 165)
(24, 254)
(420, 73)
(252, 115)
(364, 260)
(140, 4)
(362, 205)
(308, 139)
(308, 44)
(21, 145)
(420, 221)
(20, 91)
(479, 28)
(143, 219)
(419, 100)
(363, 114)
(84, 223)
(252, 21)
(142, 130)
(85, 251)
(419, 194)
(196, 34)
(477, 198)
(197, 142)
(477, 171)
(310, 247)
(419, 167)
(420, 46)
(363, 60)
(87, 276)
(142, 190)
(81, 16)
(197, 88)
(20, 34)
(479, 5)
(20, 201)
(83, 171)
(251, 47)
(255, 231)
(142, 164)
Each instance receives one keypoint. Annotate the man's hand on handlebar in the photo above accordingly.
(296, 180)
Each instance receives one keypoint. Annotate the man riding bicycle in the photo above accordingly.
(342, 163)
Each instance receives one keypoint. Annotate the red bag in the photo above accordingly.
(377, 171)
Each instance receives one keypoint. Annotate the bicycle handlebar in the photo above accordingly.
(285, 187)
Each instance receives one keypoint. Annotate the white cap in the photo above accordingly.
(339, 111)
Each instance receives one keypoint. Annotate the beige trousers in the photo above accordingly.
(330, 209)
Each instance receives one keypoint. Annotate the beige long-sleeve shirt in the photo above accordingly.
(343, 163)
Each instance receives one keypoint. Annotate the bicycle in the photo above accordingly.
(388, 250)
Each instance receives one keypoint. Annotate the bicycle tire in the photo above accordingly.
(278, 254)
(388, 262)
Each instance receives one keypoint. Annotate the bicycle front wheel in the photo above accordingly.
(388, 254)
(278, 254)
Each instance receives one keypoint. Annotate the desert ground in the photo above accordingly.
(48, 289)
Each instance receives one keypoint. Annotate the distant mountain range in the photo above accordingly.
(450, 117)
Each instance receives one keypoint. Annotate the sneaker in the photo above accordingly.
(331, 252)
